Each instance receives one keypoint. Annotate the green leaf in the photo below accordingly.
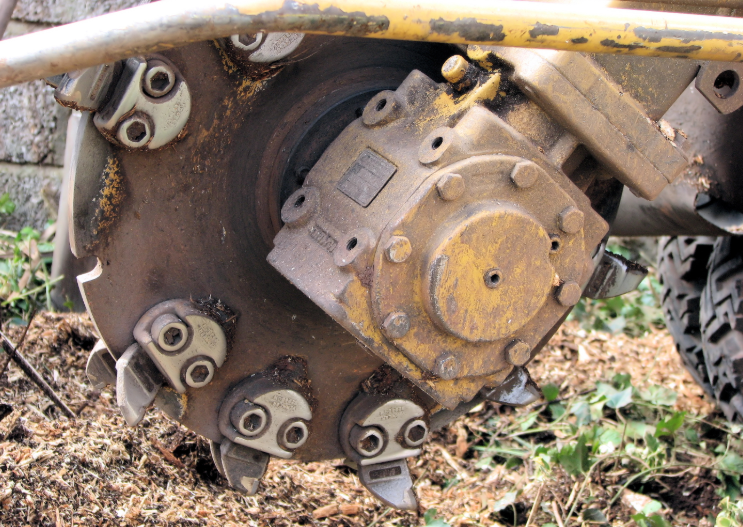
(692, 436)
(505, 501)
(557, 410)
(431, 521)
(620, 399)
(652, 443)
(582, 412)
(670, 425)
(485, 462)
(638, 429)
(610, 436)
(654, 520)
(6, 204)
(622, 381)
(731, 463)
(574, 458)
(653, 506)
(514, 462)
(659, 395)
(550, 391)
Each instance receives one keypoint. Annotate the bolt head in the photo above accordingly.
(450, 187)
(518, 352)
(454, 68)
(447, 367)
(398, 249)
(416, 433)
(570, 220)
(396, 325)
(199, 373)
(367, 441)
(525, 174)
(295, 435)
(569, 293)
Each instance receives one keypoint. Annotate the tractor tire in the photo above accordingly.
(682, 271)
(722, 325)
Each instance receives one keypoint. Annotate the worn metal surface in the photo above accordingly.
(614, 276)
(610, 124)
(518, 389)
(196, 219)
(439, 300)
(720, 84)
(672, 213)
(171, 23)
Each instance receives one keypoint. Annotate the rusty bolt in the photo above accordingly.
(518, 352)
(525, 174)
(569, 293)
(398, 249)
(396, 325)
(447, 366)
(454, 68)
(450, 187)
(570, 220)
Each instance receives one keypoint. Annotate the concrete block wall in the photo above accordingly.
(32, 125)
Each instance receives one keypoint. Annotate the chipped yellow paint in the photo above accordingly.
(111, 196)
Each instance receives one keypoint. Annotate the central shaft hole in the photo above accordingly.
(416, 433)
(294, 435)
(381, 104)
(437, 142)
(173, 336)
(136, 132)
(370, 443)
(160, 81)
(351, 244)
(252, 422)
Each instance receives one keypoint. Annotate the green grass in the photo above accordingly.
(25, 268)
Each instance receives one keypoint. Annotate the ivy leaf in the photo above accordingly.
(574, 458)
(670, 425)
(582, 412)
(659, 395)
(6, 204)
(652, 443)
(550, 392)
(594, 516)
(620, 399)
(432, 521)
(731, 463)
(505, 501)
(557, 410)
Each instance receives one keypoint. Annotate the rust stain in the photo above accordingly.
(110, 198)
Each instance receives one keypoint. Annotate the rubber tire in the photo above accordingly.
(682, 271)
(722, 325)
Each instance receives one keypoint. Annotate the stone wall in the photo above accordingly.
(32, 125)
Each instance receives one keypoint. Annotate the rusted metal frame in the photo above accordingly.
(172, 23)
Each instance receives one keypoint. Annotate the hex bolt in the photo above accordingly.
(450, 187)
(248, 41)
(569, 293)
(293, 435)
(518, 352)
(134, 132)
(367, 441)
(525, 174)
(199, 372)
(416, 433)
(169, 332)
(447, 366)
(396, 325)
(454, 68)
(248, 419)
(570, 220)
(398, 249)
(159, 79)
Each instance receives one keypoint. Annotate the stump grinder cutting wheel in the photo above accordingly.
(316, 247)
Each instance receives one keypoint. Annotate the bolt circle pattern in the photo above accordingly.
(441, 287)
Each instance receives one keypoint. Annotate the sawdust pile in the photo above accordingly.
(98, 471)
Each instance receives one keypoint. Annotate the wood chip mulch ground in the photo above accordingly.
(96, 470)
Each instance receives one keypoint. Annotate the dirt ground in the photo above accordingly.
(95, 470)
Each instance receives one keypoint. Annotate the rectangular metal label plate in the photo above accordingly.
(366, 177)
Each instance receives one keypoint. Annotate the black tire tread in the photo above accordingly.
(722, 325)
(682, 272)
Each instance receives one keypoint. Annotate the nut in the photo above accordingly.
(159, 79)
(367, 441)
(398, 249)
(169, 332)
(447, 366)
(199, 372)
(135, 132)
(293, 435)
(450, 186)
(248, 419)
(454, 68)
(570, 220)
(569, 293)
(416, 433)
(518, 352)
(525, 174)
(396, 325)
